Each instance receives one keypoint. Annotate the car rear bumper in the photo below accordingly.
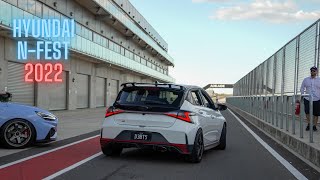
(179, 133)
(161, 146)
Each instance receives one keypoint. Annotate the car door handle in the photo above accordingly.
(201, 112)
(213, 116)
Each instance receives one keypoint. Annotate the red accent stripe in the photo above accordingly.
(182, 147)
(48, 164)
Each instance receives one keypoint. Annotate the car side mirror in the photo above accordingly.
(222, 107)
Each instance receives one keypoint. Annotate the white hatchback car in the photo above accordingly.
(165, 117)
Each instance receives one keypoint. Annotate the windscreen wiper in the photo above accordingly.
(132, 107)
(154, 102)
(143, 108)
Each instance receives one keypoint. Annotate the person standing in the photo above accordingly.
(311, 85)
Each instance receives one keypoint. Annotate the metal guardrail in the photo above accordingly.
(276, 111)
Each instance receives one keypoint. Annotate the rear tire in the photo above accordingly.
(111, 150)
(198, 149)
(223, 139)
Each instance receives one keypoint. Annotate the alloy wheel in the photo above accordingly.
(18, 133)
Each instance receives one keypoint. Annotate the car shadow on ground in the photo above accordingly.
(146, 155)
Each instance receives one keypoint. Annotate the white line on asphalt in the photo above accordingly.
(284, 162)
(46, 152)
(72, 167)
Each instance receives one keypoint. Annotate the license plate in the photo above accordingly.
(141, 136)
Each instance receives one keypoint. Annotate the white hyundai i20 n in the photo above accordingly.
(165, 117)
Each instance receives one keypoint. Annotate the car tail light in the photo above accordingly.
(182, 115)
(112, 111)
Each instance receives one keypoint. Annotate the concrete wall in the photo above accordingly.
(82, 16)
(3, 67)
(77, 64)
(73, 66)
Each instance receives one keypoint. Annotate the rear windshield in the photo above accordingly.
(148, 97)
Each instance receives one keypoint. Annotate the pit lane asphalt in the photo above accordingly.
(244, 158)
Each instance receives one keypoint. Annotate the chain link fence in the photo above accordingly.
(270, 91)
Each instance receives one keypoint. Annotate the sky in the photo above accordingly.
(220, 41)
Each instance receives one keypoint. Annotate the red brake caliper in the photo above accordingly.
(26, 132)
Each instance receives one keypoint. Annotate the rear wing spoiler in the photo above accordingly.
(170, 85)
